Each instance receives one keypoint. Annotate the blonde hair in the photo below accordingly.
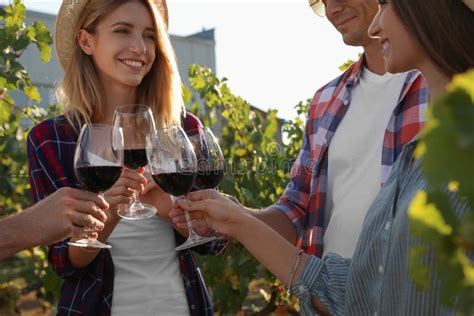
(80, 91)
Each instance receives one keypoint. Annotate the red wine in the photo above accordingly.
(134, 158)
(98, 178)
(175, 183)
(208, 179)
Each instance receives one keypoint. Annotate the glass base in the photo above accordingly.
(89, 243)
(142, 211)
(195, 240)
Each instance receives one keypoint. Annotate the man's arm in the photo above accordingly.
(62, 214)
(13, 236)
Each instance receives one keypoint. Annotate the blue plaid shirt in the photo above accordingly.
(89, 291)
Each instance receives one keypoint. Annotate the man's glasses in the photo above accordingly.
(318, 7)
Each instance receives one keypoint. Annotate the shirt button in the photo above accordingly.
(375, 314)
(192, 306)
(381, 269)
(388, 225)
(345, 102)
(301, 288)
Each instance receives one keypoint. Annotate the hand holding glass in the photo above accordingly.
(137, 123)
(173, 167)
(98, 164)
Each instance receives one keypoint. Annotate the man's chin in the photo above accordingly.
(355, 40)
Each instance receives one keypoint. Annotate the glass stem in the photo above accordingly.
(136, 205)
(192, 233)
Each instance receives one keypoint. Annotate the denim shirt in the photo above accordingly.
(376, 281)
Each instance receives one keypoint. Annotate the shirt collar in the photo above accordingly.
(355, 72)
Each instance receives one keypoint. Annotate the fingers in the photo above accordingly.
(87, 220)
(177, 215)
(149, 186)
(90, 208)
(83, 202)
(123, 190)
(178, 218)
(197, 205)
(79, 233)
(88, 196)
(119, 191)
(132, 179)
(202, 195)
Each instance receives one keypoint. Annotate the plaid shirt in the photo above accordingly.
(89, 291)
(304, 198)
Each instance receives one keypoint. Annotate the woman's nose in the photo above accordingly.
(374, 28)
(138, 45)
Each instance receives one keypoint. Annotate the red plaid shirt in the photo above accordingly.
(89, 291)
(304, 198)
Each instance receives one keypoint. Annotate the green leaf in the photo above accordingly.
(427, 214)
(15, 15)
(346, 65)
(32, 93)
(43, 40)
(187, 95)
(447, 152)
(419, 272)
(451, 138)
(45, 52)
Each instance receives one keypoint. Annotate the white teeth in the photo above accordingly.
(133, 63)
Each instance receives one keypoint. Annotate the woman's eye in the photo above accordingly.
(121, 31)
(150, 37)
(382, 2)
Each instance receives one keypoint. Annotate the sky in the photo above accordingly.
(274, 53)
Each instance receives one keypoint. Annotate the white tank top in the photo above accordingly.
(147, 276)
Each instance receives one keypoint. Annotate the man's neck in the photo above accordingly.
(374, 58)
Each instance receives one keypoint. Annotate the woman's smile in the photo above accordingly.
(134, 64)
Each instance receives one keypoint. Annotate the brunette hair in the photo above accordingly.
(445, 30)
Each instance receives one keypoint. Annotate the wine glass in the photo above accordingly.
(210, 163)
(210, 159)
(173, 167)
(137, 123)
(98, 164)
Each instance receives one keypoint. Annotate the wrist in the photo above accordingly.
(241, 223)
(36, 235)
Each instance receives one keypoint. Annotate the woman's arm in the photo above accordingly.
(273, 251)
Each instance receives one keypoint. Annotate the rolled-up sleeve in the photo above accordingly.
(324, 279)
(295, 199)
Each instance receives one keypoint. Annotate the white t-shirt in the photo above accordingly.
(355, 158)
(147, 276)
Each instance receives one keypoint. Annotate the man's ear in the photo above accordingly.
(84, 39)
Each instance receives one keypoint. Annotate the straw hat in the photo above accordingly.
(67, 19)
